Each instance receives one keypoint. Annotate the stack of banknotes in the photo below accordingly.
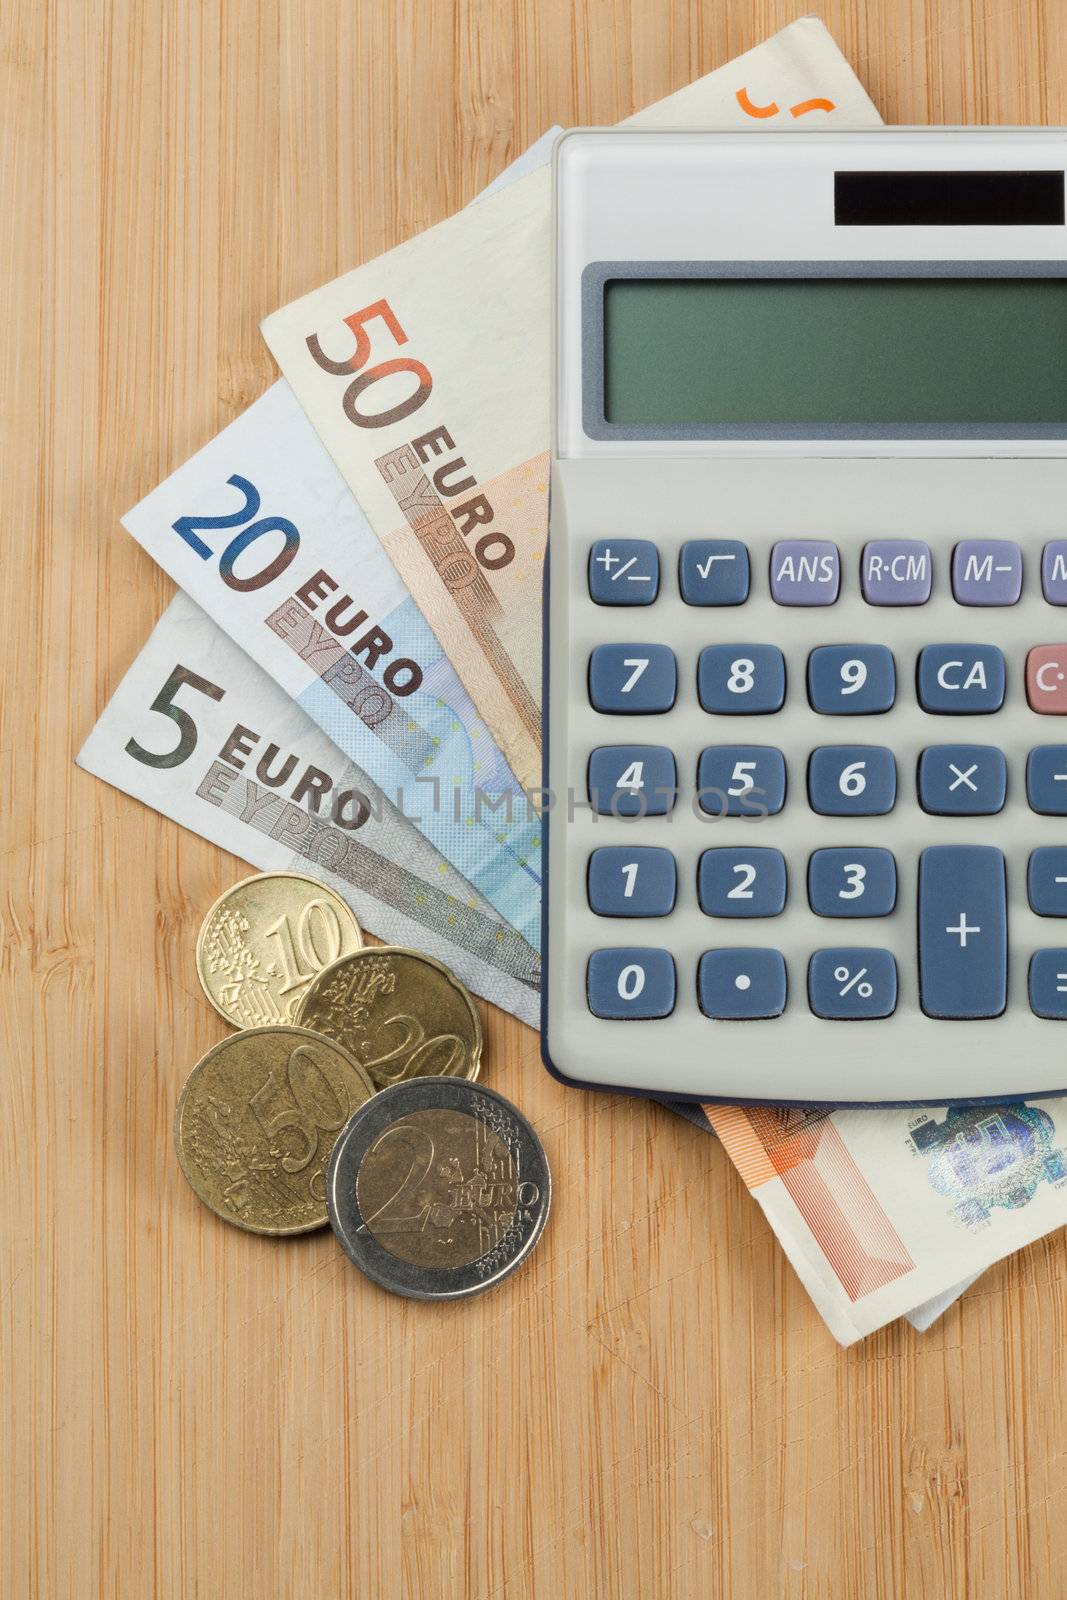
(348, 682)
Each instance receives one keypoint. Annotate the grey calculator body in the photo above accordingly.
(738, 371)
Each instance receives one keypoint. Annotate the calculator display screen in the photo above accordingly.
(824, 350)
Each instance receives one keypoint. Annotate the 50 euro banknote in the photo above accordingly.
(879, 1211)
(197, 731)
(426, 374)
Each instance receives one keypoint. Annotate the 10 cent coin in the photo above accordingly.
(263, 942)
(257, 1120)
(438, 1188)
(400, 1013)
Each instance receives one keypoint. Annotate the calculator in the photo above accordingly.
(806, 616)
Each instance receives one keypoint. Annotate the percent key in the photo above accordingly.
(852, 985)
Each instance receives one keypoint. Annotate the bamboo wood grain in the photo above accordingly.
(652, 1408)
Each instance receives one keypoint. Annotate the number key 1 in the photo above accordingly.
(637, 881)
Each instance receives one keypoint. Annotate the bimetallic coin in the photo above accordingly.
(263, 942)
(402, 1014)
(257, 1120)
(438, 1188)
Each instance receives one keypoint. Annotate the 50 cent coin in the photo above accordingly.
(256, 1123)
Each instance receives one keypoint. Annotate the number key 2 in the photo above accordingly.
(742, 882)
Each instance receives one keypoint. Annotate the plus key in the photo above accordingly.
(963, 931)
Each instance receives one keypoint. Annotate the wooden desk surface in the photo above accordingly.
(652, 1407)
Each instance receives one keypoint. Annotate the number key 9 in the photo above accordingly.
(851, 679)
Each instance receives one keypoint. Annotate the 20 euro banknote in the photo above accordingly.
(197, 731)
(260, 528)
(426, 374)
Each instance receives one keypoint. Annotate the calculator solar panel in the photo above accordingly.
(806, 617)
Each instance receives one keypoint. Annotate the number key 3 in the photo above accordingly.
(852, 883)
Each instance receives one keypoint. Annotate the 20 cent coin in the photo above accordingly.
(402, 1014)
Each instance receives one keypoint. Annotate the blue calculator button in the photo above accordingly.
(896, 572)
(852, 883)
(739, 679)
(987, 572)
(623, 572)
(1048, 984)
(741, 780)
(962, 780)
(1046, 881)
(805, 572)
(1046, 780)
(848, 680)
(963, 931)
(852, 780)
(852, 985)
(1054, 572)
(741, 883)
(741, 985)
(713, 572)
(632, 678)
(961, 679)
(634, 982)
(632, 780)
(638, 882)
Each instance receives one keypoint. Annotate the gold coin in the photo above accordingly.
(263, 942)
(401, 1014)
(257, 1120)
